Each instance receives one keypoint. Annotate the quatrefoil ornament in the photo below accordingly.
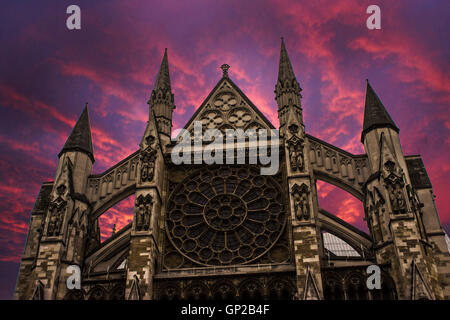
(225, 101)
(211, 119)
(240, 117)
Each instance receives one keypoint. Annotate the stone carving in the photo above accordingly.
(397, 198)
(211, 119)
(76, 294)
(57, 209)
(296, 156)
(314, 145)
(251, 289)
(252, 130)
(147, 158)
(94, 185)
(225, 101)
(293, 128)
(143, 208)
(345, 161)
(170, 292)
(197, 291)
(240, 117)
(97, 293)
(254, 126)
(225, 68)
(301, 203)
(361, 163)
(225, 291)
(395, 186)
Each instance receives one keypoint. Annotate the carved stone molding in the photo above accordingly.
(225, 101)
(240, 117)
(211, 119)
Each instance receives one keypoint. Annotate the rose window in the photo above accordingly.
(225, 101)
(225, 212)
(225, 215)
(240, 117)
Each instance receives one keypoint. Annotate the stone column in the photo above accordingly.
(304, 210)
(144, 248)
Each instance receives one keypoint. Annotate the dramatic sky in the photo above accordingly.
(47, 73)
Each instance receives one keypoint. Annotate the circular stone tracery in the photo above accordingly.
(225, 212)
(225, 101)
(225, 215)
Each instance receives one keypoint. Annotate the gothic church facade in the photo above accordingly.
(226, 231)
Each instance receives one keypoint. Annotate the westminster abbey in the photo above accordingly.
(225, 231)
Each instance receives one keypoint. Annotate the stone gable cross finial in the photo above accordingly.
(225, 68)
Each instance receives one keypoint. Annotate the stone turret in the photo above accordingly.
(60, 238)
(393, 211)
(145, 236)
(302, 187)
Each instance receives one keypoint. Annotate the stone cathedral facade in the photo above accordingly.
(227, 232)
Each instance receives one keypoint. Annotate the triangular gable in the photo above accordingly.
(227, 106)
(420, 288)
(311, 290)
(134, 292)
(65, 178)
(151, 130)
(38, 292)
(386, 153)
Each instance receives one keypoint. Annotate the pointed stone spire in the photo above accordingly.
(287, 89)
(161, 101)
(293, 118)
(375, 114)
(81, 138)
(285, 71)
(163, 79)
